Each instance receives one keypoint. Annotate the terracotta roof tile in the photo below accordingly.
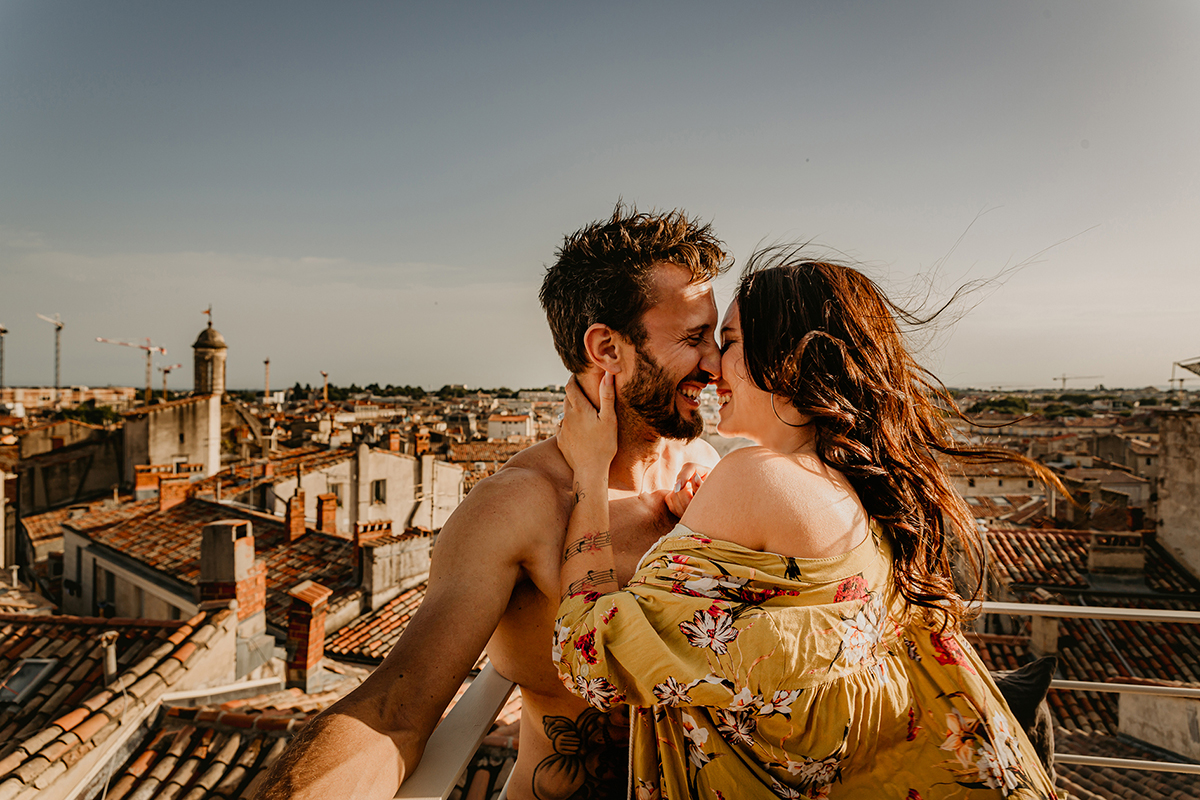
(50, 731)
(169, 542)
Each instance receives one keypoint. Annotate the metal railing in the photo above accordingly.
(1158, 615)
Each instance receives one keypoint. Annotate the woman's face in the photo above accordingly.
(744, 408)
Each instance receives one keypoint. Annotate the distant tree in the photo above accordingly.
(1001, 405)
(88, 412)
(1077, 399)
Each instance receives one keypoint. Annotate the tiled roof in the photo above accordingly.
(73, 712)
(169, 542)
(1104, 783)
(46, 527)
(240, 479)
(15, 600)
(372, 636)
(1058, 558)
(484, 451)
(220, 750)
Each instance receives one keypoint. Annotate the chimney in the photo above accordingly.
(327, 513)
(145, 481)
(394, 441)
(391, 564)
(1043, 636)
(229, 571)
(306, 635)
(269, 469)
(366, 532)
(172, 490)
(295, 516)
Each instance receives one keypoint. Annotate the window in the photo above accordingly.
(181, 438)
(379, 491)
(1029, 484)
(1000, 482)
(24, 679)
(1147, 462)
(336, 490)
(970, 481)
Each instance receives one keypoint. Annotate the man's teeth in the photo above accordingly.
(691, 393)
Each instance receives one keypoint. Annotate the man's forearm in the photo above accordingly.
(338, 755)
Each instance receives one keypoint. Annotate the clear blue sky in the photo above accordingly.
(373, 189)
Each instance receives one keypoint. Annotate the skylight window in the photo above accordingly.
(25, 678)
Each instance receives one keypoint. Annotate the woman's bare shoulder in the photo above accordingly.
(770, 501)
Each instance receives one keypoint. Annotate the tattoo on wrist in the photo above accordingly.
(579, 493)
(588, 543)
(591, 582)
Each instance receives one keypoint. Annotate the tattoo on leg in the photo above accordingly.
(589, 760)
(592, 582)
(588, 543)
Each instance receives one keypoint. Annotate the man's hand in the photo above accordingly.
(689, 480)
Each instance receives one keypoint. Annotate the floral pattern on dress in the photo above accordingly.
(947, 650)
(712, 628)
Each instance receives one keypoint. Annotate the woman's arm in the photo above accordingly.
(588, 441)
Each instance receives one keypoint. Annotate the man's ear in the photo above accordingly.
(604, 347)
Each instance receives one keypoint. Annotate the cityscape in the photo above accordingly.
(122, 506)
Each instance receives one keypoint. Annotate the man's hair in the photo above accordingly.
(603, 274)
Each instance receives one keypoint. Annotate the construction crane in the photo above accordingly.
(58, 326)
(1065, 377)
(150, 349)
(167, 371)
(3, 333)
(325, 393)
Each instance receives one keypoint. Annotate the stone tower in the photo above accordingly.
(210, 350)
(210, 361)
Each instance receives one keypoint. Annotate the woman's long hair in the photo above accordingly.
(826, 338)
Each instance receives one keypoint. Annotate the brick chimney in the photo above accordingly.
(295, 516)
(306, 635)
(172, 490)
(394, 441)
(327, 513)
(145, 480)
(229, 571)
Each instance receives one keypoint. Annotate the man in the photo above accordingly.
(629, 295)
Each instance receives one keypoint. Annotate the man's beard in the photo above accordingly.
(650, 395)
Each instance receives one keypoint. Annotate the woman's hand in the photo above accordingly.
(588, 438)
(689, 480)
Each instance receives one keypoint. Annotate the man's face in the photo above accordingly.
(678, 358)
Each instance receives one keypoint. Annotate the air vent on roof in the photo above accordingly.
(25, 678)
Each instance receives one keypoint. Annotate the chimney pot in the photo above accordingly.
(295, 516)
(327, 513)
(172, 490)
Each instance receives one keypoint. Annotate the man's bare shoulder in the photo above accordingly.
(528, 494)
(701, 452)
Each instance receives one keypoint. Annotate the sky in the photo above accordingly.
(375, 189)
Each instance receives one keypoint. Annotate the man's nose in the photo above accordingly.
(710, 360)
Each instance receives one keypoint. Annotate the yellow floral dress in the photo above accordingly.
(757, 675)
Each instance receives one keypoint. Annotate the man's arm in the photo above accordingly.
(365, 744)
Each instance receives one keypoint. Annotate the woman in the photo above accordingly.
(797, 635)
